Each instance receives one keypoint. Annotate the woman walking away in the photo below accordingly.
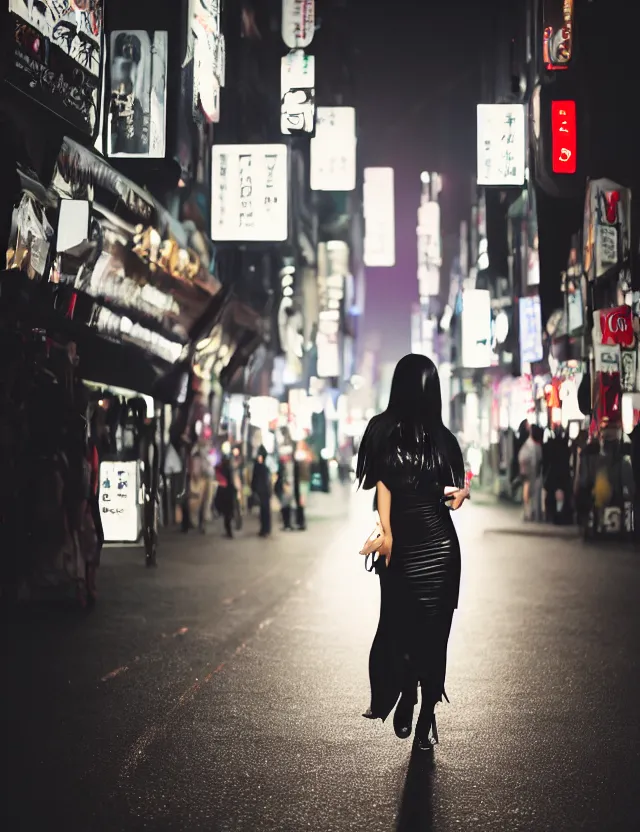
(261, 487)
(416, 467)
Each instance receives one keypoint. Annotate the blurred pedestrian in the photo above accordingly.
(530, 462)
(193, 508)
(284, 493)
(261, 488)
(302, 482)
(225, 499)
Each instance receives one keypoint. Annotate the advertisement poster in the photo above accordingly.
(138, 77)
(118, 497)
(501, 144)
(58, 57)
(249, 193)
(333, 150)
(297, 93)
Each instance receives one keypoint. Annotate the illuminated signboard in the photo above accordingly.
(379, 216)
(557, 37)
(501, 144)
(563, 136)
(530, 330)
(249, 193)
(333, 150)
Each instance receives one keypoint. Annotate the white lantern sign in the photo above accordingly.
(298, 23)
(379, 217)
(298, 95)
(476, 329)
(501, 145)
(249, 193)
(333, 150)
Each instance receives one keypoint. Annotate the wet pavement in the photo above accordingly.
(223, 691)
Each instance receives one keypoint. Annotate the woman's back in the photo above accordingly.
(409, 457)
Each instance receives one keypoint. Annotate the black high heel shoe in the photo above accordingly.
(403, 716)
(426, 739)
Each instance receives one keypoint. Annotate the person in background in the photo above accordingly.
(225, 499)
(302, 482)
(284, 493)
(530, 462)
(556, 459)
(519, 438)
(193, 506)
(261, 488)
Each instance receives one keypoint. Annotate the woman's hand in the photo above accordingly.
(457, 498)
(381, 545)
(385, 547)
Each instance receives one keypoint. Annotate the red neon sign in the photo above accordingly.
(564, 137)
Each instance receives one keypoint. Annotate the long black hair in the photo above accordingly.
(410, 433)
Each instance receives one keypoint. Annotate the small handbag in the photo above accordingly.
(371, 546)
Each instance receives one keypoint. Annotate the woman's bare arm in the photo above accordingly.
(384, 512)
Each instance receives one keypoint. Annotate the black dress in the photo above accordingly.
(420, 587)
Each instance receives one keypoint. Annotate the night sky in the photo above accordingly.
(417, 86)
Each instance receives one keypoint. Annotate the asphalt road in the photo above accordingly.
(224, 691)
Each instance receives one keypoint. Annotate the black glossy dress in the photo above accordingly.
(419, 588)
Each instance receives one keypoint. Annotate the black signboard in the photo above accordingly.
(58, 57)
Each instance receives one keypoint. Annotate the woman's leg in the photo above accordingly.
(432, 684)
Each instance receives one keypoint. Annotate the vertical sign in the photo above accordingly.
(501, 144)
(118, 497)
(333, 150)
(379, 217)
(564, 136)
(530, 330)
(297, 93)
(476, 329)
(298, 23)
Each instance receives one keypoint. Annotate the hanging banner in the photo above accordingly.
(557, 36)
(530, 330)
(298, 23)
(333, 150)
(58, 57)
(207, 48)
(297, 93)
(379, 217)
(501, 144)
(476, 329)
(249, 187)
(137, 111)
